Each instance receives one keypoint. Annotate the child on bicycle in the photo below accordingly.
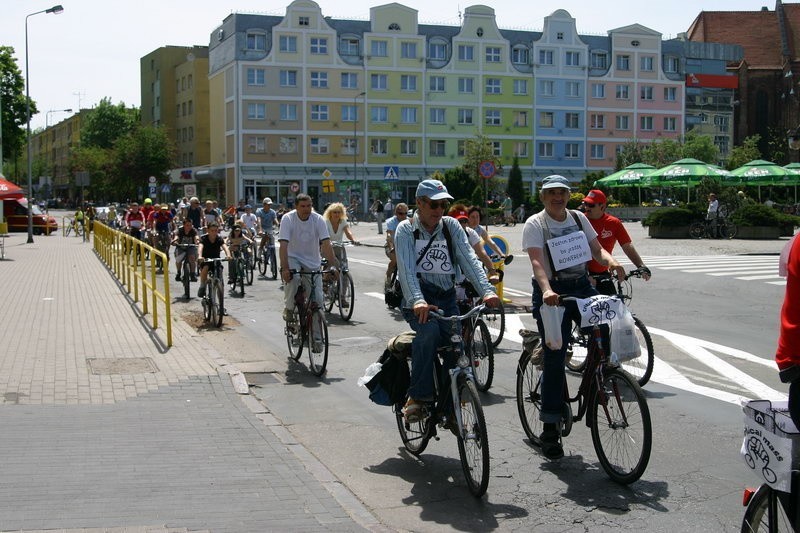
(235, 241)
(186, 234)
(211, 245)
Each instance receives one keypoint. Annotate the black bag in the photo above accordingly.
(393, 295)
(390, 384)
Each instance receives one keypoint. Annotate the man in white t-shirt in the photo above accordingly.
(303, 233)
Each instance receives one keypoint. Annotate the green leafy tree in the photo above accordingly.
(777, 146)
(663, 152)
(144, 152)
(459, 182)
(478, 196)
(632, 152)
(12, 107)
(477, 150)
(587, 184)
(99, 163)
(700, 147)
(515, 187)
(744, 153)
(108, 122)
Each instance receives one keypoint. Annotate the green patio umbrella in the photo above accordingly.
(794, 167)
(630, 176)
(683, 173)
(760, 172)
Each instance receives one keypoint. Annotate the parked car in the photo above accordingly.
(16, 214)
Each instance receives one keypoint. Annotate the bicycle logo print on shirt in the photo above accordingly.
(436, 260)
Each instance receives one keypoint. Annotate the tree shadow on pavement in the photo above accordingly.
(297, 373)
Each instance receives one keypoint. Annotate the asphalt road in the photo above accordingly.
(714, 338)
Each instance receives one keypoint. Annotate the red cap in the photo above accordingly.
(460, 215)
(595, 197)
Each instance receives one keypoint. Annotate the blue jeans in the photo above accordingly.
(429, 337)
(553, 372)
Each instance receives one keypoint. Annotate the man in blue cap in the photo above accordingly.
(430, 247)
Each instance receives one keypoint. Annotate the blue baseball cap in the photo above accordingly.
(555, 181)
(433, 190)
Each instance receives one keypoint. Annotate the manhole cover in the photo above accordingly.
(126, 365)
(260, 378)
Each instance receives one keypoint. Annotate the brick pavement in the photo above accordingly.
(169, 448)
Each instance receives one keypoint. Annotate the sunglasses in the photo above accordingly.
(589, 206)
(438, 204)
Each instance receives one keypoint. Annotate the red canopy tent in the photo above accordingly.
(10, 190)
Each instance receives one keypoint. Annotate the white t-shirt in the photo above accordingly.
(303, 237)
(337, 236)
(249, 220)
(533, 236)
(472, 237)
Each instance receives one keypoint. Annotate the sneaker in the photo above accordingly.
(412, 411)
(177, 277)
(201, 292)
(551, 442)
(288, 315)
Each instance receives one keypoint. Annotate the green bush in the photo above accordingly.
(788, 220)
(756, 215)
(670, 217)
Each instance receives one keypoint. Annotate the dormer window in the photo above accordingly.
(394, 26)
(303, 21)
(560, 36)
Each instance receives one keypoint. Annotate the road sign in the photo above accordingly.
(165, 188)
(190, 190)
(152, 190)
(487, 169)
(326, 173)
(328, 186)
(294, 186)
(391, 173)
(151, 179)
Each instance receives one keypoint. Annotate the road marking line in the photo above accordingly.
(739, 272)
(515, 292)
(729, 268)
(777, 282)
(665, 374)
(751, 278)
(366, 262)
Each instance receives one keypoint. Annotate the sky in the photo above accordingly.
(92, 49)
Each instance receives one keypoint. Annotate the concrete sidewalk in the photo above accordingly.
(103, 428)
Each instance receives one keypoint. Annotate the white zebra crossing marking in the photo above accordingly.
(744, 267)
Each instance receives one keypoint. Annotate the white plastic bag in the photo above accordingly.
(551, 320)
(624, 342)
(370, 372)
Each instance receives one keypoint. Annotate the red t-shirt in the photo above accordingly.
(609, 232)
(788, 353)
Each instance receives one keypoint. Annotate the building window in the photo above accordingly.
(646, 123)
(256, 41)
(437, 51)
(288, 145)
(437, 115)
(319, 45)
(302, 21)
(545, 57)
(379, 82)
(646, 64)
(573, 89)
(319, 112)
(349, 80)
(288, 78)
(520, 87)
(287, 43)
(319, 146)
(572, 121)
(545, 119)
(437, 84)
(379, 146)
(408, 147)
(461, 148)
(349, 113)
(623, 92)
(257, 111)
(573, 59)
(379, 114)
(598, 90)
(257, 145)
(598, 60)
(598, 151)
(670, 94)
(288, 111)
(497, 148)
(379, 49)
(189, 83)
(408, 50)
(178, 110)
(465, 116)
(546, 149)
(623, 122)
(571, 151)
(437, 148)
(348, 146)
(623, 62)
(521, 149)
(671, 64)
(520, 55)
(408, 115)
(191, 107)
(547, 87)
(319, 80)
(493, 86)
(191, 133)
(647, 92)
(408, 82)
(466, 85)
(520, 119)
(560, 36)
(466, 52)
(670, 123)
(492, 54)
(349, 47)
(597, 122)
(492, 117)
(255, 76)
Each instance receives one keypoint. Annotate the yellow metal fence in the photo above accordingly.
(125, 256)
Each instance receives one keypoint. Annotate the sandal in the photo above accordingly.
(412, 411)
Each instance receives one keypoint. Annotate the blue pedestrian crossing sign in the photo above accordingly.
(391, 173)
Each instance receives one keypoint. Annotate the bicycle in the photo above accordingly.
(266, 257)
(238, 271)
(308, 326)
(161, 240)
(352, 216)
(770, 508)
(340, 291)
(457, 407)
(73, 225)
(704, 229)
(186, 273)
(502, 220)
(495, 317)
(213, 309)
(614, 404)
(640, 368)
(477, 339)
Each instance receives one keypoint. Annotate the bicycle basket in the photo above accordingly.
(771, 444)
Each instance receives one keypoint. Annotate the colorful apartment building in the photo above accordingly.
(50, 152)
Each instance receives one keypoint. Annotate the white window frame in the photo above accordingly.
(379, 82)
(437, 115)
(287, 44)
(646, 93)
(521, 149)
(493, 54)
(572, 121)
(547, 119)
(573, 89)
(598, 90)
(572, 58)
(349, 113)
(547, 87)
(546, 57)
(288, 111)
(288, 78)
(408, 147)
(466, 85)
(572, 150)
(545, 150)
(597, 121)
(319, 79)
(349, 80)
(379, 114)
(597, 151)
(494, 86)
(256, 111)
(623, 62)
(379, 147)
(598, 60)
(318, 45)
(408, 82)
(288, 145)
(671, 123)
(408, 115)
(623, 122)
(670, 94)
(520, 87)
(646, 63)
(437, 84)
(466, 116)
(520, 55)
(437, 51)
(319, 146)
(623, 91)
(256, 144)
(492, 117)
(437, 148)
(319, 112)
(408, 50)
(379, 48)
(256, 77)
(256, 41)
(466, 52)
(646, 122)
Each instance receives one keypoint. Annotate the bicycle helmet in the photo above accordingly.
(148, 201)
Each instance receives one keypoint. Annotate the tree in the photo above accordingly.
(632, 152)
(744, 153)
(459, 182)
(144, 152)
(515, 188)
(700, 147)
(99, 163)
(12, 105)
(777, 146)
(477, 150)
(108, 122)
(662, 152)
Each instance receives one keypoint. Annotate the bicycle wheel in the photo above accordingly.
(621, 431)
(529, 398)
(295, 337)
(211, 304)
(207, 309)
(473, 439)
(482, 354)
(577, 350)
(219, 288)
(261, 260)
(346, 295)
(186, 278)
(495, 318)
(727, 230)
(697, 230)
(765, 512)
(330, 293)
(318, 343)
(415, 435)
(249, 271)
(273, 264)
(241, 267)
(67, 230)
(641, 368)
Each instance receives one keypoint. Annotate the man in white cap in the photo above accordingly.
(566, 276)
(430, 247)
(266, 220)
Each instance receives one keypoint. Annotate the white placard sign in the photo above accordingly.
(569, 250)
(599, 309)
(436, 260)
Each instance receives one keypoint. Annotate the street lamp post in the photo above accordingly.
(55, 10)
(355, 145)
(47, 115)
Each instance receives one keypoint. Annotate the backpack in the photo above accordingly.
(390, 385)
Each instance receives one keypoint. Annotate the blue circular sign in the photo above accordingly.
(487, 169)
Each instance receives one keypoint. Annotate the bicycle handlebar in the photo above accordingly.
(439, 315)
(638, 272)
